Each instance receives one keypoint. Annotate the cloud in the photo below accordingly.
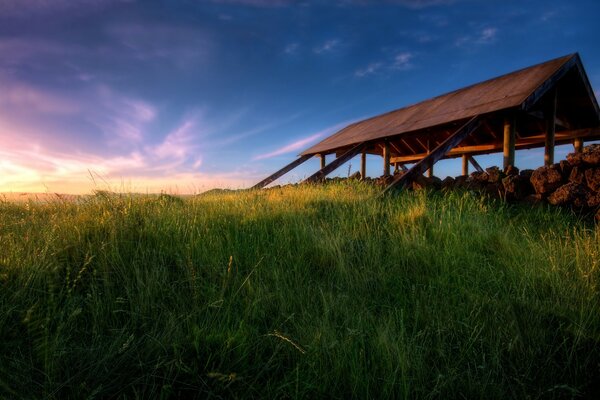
(27, 8)
(291, 48)
(18, 95)
(399, 62)
(484, 36)
(487, 35)
(402, 61)
(370, 69)
(327, 47)
(301, 143)
(290, 148)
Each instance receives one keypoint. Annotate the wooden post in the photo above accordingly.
(396, 168)
(509, 141)
(363, 165)
(578, 145)
(550, 116)
(430, 169)
(386, 159)
(323, 160)
(465, 165)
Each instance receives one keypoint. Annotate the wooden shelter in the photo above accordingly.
(543, 105)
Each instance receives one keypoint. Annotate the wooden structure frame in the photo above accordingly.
(544, 105)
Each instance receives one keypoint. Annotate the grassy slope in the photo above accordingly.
(297, 292)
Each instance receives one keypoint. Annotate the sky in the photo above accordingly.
(183, 96)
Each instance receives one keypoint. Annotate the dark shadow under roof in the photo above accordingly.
(516, 89)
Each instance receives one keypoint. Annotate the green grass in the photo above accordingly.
(299, 292)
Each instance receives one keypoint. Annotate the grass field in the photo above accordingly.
(299, 292)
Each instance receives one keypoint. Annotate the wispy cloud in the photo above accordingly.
(398, 62)
(290, 148)
(402, 61)
(19, 95)
(484, 36)
(291, 48)
(327, 46)
(301, 143)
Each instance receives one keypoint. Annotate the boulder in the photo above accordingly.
(460, 181)
(592, 178)
(478, 177)
(511, 170)
(533, 199)
(448, 183)
(516, 187)
(568, 194)
(494, 174)
(591, 155)
(526, 173)
(576, 175)
(355, 176)
(565, 169)
(546, 180)
(593, 199)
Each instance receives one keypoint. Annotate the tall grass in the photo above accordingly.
(298, 292)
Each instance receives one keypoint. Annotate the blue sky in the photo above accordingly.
(188, 95)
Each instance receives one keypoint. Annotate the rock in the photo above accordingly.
(568, 194)
(565, 169)
(546, 180)
(591, 155)
(460, 181)
(423, 182)
(494, 174)
(511, 170)
(516, 187)
(533, 199)
(355, 176)
(592, 178)
(593, 199)
(576, 175)
(574, 159)
(495, 189)
(479, 177)
(448, 183)
(526, 173)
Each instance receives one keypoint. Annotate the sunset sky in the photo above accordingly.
(188, 95)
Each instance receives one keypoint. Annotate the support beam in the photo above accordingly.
(323, 158)
(578, 144)
(430, 168)
(363, 165)
(475, 164)
(525, 143)
(332, 166)
(509, 141)
(386, 159)
(281, 172)
(465, 165)
(438, 153)
(550, 115)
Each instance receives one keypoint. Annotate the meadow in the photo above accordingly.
(326, 291)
